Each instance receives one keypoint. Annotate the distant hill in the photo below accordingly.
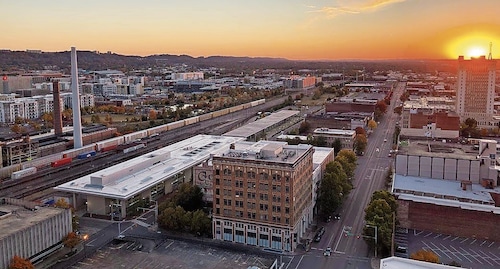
(21, 60)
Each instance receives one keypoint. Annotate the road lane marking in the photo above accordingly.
(288, 265)
(302, 257)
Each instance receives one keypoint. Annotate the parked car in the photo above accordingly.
(319, 234)
(328, 251)
(337, 216)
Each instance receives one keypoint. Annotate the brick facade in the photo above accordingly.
(448, 220)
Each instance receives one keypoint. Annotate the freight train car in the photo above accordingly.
(191, 120)
(174, 125)
(221, 112)
(135, 136)
(157, 130)
(109, 142)
(206, 116)
(86, 155)
(72, 153)
(61, 162)
(22, 173)
(134, 148)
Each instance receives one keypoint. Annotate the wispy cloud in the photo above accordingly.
(340, 7)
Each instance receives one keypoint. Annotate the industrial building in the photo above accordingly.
(402, 263)
(119, 188)
(261, 128)
(448, 188)
(30, 231)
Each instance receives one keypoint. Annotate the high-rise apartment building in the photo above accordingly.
(262, 194)
(476, 90)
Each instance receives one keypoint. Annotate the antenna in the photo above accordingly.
(489, 55)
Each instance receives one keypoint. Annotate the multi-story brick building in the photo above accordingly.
(263, 194)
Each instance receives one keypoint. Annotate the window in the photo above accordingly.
(217, 181)
(251, 195)
(217, 171)
(217, 191)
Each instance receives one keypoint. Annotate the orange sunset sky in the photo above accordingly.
(293, 29)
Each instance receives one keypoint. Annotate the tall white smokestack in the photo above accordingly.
(77, 123)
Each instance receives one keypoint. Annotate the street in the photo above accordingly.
(351, 251)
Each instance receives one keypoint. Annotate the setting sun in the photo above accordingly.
(471, 45)
(475, 52)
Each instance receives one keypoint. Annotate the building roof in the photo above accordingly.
(320, 154)
(437, 149)
(136, 175)
(262, 124)
(266, 151)
(402, 263)
(335, 132)
(21, 218)
(441, 189)
(445, 193)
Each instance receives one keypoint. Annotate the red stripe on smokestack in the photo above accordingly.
(57, 109)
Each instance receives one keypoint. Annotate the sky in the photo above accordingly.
(292, 29)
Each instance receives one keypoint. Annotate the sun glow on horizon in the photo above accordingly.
(471, 45)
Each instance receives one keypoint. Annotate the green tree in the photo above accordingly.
(349, 154)
(200, 223)
(189, 197)
(469, 128)
(347, 166)
(379, 213)
(304, 127)
(337, 146)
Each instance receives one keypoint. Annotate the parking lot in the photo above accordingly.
(468, 252)
(169, 254)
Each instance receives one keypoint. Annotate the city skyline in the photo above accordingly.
(297, 30)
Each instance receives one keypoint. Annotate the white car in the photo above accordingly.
(385, 140)
(328, 251)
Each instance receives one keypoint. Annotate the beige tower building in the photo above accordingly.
(263, 194)
(476, 90)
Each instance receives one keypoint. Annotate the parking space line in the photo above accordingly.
(298, 264)
(441, 249)
(447, 237)
(455, 238)
(169, 245)
(417, 233)
(473, 241)
(483, 243)
(463, 255)
(496, 257)
(429, 234)
(429, 247)
(486, 256)
(491, 244)
(473, 256)
(288, 265)
(452, 252)
(437, 236)
(465, 240)
(482, 257)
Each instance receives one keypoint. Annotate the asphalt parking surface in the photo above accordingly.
(169, 254)
(468, 252)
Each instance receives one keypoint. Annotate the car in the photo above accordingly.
(337, 216)
(401, 249)
(328, 251)
(385, 140)
(328, 219)
(390, 155)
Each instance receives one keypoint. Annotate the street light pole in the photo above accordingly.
(375, 237)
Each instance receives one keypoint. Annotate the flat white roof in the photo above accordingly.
(136, 175)
(320, 154)
(334, 131)
(402, 263)
(261, 124)
(441, 188)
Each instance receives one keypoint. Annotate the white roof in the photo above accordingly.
(257, 126)
(402, 263)
(320, 154)
(334, 131)
(136, 175)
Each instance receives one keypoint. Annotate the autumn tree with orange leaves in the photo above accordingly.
(20, 263)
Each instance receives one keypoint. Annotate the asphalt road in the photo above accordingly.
(352, 251)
